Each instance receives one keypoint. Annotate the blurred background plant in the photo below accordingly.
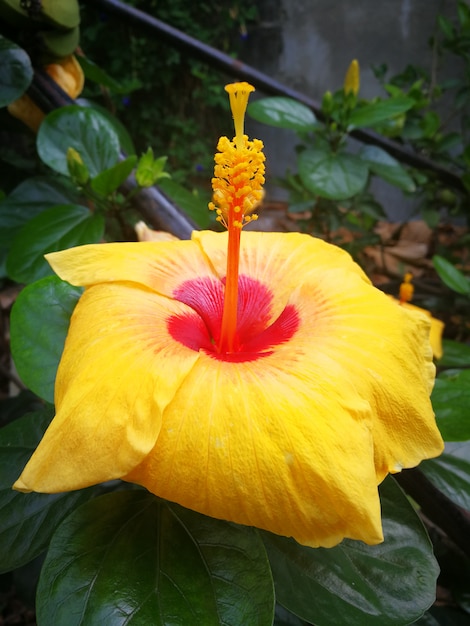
(167, 100)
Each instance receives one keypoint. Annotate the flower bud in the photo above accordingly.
(77, 169)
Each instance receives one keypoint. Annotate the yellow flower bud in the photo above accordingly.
(351, 80)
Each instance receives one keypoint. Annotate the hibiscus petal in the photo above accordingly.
(282, 261)
(111, 390)
(157, 265)
(260, 446)
(383, 349)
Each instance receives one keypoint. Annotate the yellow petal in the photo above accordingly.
(111, 389)
(158, 265)
(254, 444)
(436, 329)
(383, 349)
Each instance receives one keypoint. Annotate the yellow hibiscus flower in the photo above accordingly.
(254, 377)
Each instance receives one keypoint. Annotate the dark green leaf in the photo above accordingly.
(446, 26)
(16, 72)
(282, 113)
(285, 618)
(335, 176)
(128, 558)
(40, 320)
(451, 403)
(194, 205)
(125, 139)
(372, 114)
(450, 472)
(109, 180)
(355, 584)
(388, 168)
(451, 276)
(83, 129)
(456, 354)
(27, 520)
(446, 616)
(26, 201)
(54, 229)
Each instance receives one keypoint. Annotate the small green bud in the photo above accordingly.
(327, 103)
(77, 169)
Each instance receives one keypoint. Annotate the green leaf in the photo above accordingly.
(40, 321)
(282, 113)
(16, 72)
(28, 520)
(390, 584)
(194, 205)
(451, 276)
(27, 200)
(451, 403)
(446, 26)
(128, 558)
(388, 168)
(150, 170)
(83, 129)
(335, 176)
(109, 180)
(456, 354)
(54, 229)
(125, 139)
(372, 114)
(450, 473)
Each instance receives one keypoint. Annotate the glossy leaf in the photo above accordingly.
(389, 584)
(388, 168)
(282, 113)
(125, 139)
(129, 558)
(83, 129)
(451, 403)
(456, 354)
(450, 473)
(335, 176)
(16, 72)
(195, 206)
(27, 200)
(108, 181)
(451, 276)
(28, 520)
(376, 112)
(40, 320)
(56, 228)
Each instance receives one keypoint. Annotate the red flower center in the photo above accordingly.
(256, 337)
